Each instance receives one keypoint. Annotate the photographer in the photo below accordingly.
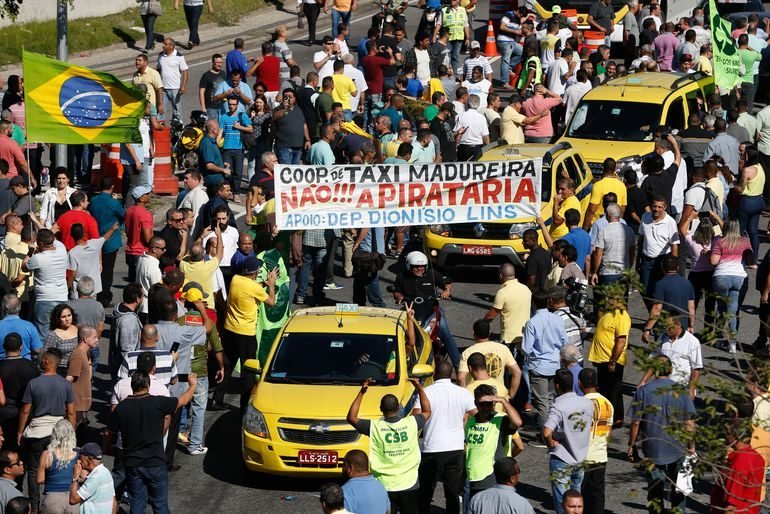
(234, 87)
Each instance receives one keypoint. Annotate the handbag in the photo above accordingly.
(369, 262)
(300, 21)
(154, 7)
(247, 139)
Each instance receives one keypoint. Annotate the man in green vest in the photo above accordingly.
(531, 71)
(487, 437)
(394, 454)
(455, 18)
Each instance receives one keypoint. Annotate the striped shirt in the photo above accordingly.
(472, 62)
(573, 325)
(165, 367)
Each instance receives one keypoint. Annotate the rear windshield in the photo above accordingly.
(750, 5)
(581, 6)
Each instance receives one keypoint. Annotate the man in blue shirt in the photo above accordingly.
(11, 323)
(673, 294)
(543, 337)
(577, 237)
(235, 60)
(107, 211)
(234, 87)
(231, 125)
(321, 153)
(363, 493)
(503, 496)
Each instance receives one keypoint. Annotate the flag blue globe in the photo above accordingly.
(85, 102)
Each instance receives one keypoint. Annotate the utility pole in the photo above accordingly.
(61, 54)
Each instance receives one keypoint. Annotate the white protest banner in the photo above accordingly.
(387, 195)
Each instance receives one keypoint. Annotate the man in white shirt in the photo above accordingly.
(173, 73)
(683, 348)
(323, 61)
(49, 264)
(575, 92)
(148, 269)
(560, 71)
(664, 148)
(195, 198)
(443, 448)
(229, 240)
(473, 130)
(658, 236)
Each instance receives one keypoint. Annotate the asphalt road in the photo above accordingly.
(219, 482)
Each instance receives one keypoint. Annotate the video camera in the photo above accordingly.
(577, 295)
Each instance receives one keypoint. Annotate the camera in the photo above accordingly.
(577, 295)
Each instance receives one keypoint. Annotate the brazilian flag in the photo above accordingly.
(270, 320)
(70, 104)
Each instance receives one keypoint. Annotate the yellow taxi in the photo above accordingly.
(295, 423)
(617, 119)
(496, 242)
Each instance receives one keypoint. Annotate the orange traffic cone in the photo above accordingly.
(514, 76)
(490, 50)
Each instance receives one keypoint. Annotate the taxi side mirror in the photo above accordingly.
(421, 371)
(253, 366)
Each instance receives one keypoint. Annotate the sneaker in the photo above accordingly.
(299, 300)
(527, 407)
(733, 349)
(332, 287)
(200, 450)
(183, 438)
(538, 442)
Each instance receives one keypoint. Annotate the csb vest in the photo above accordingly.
(481, 441)
(394, 453)
(455, 21)
(525, 72)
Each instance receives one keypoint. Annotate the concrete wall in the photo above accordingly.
(40, 10)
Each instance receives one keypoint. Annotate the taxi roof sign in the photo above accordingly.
(347, 308)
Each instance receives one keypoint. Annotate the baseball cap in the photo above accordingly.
(556, 9)
(250, 265)
(475, 44)
(91, 450)
(18, 180)
(140, 191)
(189, 290)
(686, 57)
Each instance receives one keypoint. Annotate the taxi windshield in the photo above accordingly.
(617, 121)
(338, 359)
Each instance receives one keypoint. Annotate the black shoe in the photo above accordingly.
(173, 468)
(218, 407)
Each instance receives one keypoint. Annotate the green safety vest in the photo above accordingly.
(525, 73)
(394, 453)
(481, 441)
(455, 21)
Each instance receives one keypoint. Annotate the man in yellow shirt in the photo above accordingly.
(477, 367)
(243, 301)
(609, 183)
(344, 89)
(564, 200)
(513, 303)
(146, 75)
(498, 359)
(197, 269)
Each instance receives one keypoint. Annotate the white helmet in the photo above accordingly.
(416, 259)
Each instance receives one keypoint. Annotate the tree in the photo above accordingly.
(9, 8)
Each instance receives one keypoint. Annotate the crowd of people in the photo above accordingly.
(197, 286)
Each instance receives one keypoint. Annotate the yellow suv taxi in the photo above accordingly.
(496, 242)
(295, 423)
(617, 119)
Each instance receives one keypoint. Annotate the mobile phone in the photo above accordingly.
(174, 347)
(214, 225)
(30, 252)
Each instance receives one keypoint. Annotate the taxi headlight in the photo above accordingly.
(254, 423)
(518, 229)
(440, 229)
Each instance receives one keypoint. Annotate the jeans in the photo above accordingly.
(564, 476)
(193, 15)
(31, 450)
(347, 115)
(749, 209)
(198, 411)
(448, 339)
(650, 271)
(367, 286)
(454, 49)
(148, 482)
(446, 467)
(593, 487)
(748, 91)
(657, 477)
(732, 289)
(172, 104)
(611, 385)
(702, 284)
(313, 260)
(542, 395)
(337, 17)
(131, 261)
(331, 252)
(148, 20)
(510, 57)
(288, 155)
(235, 158)
(41, 316)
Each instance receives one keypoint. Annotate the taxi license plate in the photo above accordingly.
(477, 250)
(317, 458)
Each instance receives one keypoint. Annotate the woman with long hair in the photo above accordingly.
(260, 115)
(63, 334)
(57, 465)
(750, 185)
(728, 255)
(56, 200)
(15, 92)
(701, 270)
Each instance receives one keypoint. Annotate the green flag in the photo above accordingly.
(270, 320)
(71, 104)
(727, 62)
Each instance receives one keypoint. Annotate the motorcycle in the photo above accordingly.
(428, 21)
(187, 140)
(389, 15)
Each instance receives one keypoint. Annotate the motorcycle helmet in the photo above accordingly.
(416, 259)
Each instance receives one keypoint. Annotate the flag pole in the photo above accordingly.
(62, 55)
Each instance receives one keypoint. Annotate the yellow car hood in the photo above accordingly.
(596, 151)
(319, 401)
